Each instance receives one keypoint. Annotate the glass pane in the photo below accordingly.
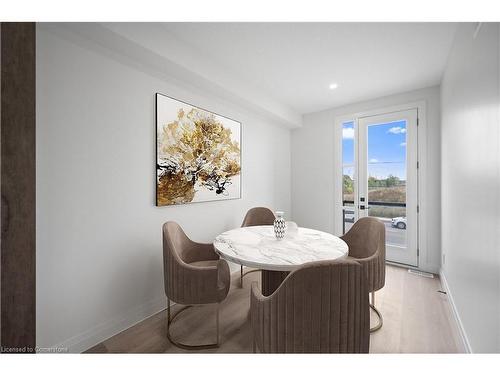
(348, 143)
(348, 174)
(348, 197)
(387, 178)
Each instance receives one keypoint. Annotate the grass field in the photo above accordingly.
(395, 194)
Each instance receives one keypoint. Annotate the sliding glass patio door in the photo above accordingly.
(380, 178)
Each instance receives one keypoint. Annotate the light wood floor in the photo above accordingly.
(417, 319)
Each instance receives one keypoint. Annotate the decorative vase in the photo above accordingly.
(279, 225)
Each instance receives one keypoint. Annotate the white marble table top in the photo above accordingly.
(258, 247)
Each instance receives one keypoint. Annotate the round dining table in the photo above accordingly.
(257, 247)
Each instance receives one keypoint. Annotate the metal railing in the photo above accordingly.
(369, 204)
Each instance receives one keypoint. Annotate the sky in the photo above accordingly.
(386, 149)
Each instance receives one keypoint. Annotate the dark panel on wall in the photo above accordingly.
(17, 165)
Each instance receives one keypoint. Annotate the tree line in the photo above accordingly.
(373, 182)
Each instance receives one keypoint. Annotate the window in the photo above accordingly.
(348, 174)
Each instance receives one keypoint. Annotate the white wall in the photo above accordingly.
(471, 184)
(99, 254)
(313, 168)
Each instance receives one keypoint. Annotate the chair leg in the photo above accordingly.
(171, 318)
(217, 323)
(168, 314)
(379, 315)
(254, 347)
(241, 276)
(244, 274)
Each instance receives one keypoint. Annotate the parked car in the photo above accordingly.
(399, 222)
(349, 215)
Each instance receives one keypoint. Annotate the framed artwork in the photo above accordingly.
(198, 154)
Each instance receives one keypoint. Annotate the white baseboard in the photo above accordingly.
(463, 334)
(92, 337)
(428, 269)
(95, 335)
(86, 340)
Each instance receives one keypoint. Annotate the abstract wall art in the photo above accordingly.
(198, 154)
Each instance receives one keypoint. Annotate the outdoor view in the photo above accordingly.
(386, 153)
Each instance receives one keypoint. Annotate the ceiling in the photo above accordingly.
(282, 70)
(296, 62)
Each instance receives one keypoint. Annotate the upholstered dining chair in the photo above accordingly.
(322, 307)
(366, 241)
(193, 275)
(256, 216)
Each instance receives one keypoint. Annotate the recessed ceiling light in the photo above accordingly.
(333, 86)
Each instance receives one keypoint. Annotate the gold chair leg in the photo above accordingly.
(379, 315)
(244, 274)
(171, 318)
(217, 325)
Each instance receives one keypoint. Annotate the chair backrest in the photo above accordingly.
(365, 238)
(175, 242)
(188, 283)
(258, 216)
(176, 247)
(320, 308)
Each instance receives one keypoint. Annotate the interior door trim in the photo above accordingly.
(18, 187)
(429, 258)
(409, 255)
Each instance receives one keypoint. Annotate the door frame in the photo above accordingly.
(421, 106)
(18, 187)
(409, 256)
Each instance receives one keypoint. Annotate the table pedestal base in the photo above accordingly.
(271, 280)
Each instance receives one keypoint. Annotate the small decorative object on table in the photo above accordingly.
(292, 228)
(279, 225)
